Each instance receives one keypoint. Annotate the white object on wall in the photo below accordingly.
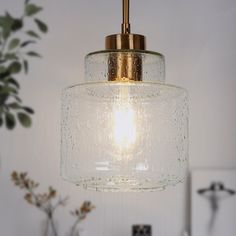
(186, 233)
(213, 202)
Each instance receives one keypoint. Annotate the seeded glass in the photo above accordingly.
(124, 136)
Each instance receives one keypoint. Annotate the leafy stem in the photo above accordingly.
(4, 43)
(13, 59)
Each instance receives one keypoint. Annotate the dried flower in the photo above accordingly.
(28, 198)
(52, 193)
(80, 214)
(83, 210)
(44, 201)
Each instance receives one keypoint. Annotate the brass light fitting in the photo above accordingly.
(125, 67)
(125, 40)
(124, 128)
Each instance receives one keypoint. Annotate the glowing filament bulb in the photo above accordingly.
(124, 125)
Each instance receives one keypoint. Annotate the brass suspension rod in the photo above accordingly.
(125, 66)
(125, 27)
(125, 40)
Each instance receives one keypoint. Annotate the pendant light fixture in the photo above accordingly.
(124, 129)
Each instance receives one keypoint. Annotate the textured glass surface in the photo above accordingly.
(124, 136)
(97, 63)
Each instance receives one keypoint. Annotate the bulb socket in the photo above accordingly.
(125, 42)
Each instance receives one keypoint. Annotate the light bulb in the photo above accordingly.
(124, 124)
(124, 127)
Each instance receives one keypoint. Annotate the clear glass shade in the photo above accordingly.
(124, 136)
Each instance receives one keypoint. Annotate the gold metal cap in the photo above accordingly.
(125, 66)
(125, 42)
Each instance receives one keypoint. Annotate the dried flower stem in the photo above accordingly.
(44, 202)
(80, 215)
(74, 227)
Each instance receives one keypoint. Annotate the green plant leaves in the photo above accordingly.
(3, 98)
(13, 58)
(24, 119)
(7, 90)
(33, 54)
(6, 23)
(32, 9)
(10, 120)
(15, 67)
(17, 98)
(13, 82)
(14, 105)
(24, 44)
(2, 69)
(13, 43)
(26, 66)
(5, 74)
(28, 110)
(41, 25)
(1, 121)
(10, 56)
(17, 24)
(32, 34)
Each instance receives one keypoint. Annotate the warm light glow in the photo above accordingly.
(121, 134)
(124, 124)
(124, 127)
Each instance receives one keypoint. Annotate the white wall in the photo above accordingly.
(198, 39)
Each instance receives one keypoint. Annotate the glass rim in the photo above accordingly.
(145, 52)
(150, 83)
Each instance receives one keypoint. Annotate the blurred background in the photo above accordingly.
(198, 41)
